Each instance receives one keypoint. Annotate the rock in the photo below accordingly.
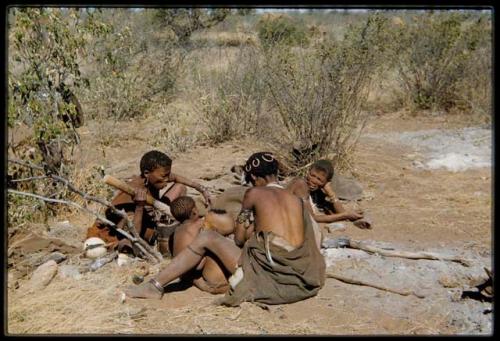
(69, 271)
(12, 282)
(57, 257)
(122, 259)
(449, 282)
(43, 275)
(347, 189)
(332, 227)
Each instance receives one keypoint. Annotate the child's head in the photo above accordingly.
(259, 165)
(319, 174)
(183, 208)
(155, 167)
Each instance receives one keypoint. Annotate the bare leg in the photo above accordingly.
(225, 250)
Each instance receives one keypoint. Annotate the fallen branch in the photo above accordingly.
(97, 215)
(355, 244)
(136, 239)
(376, 286)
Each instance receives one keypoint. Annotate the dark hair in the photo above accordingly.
(154, 159)
(181, 208)
(260, 164)
(325, 166)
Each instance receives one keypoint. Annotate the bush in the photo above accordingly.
(281, 29)
(318, 93)
(231, 102)
(133, 68)
(433, 52)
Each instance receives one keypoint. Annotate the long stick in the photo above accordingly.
(355, 244)
(376, 286)
(136, 239)
(100, 217)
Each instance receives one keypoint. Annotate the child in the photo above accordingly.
(208, 274)
(317, 192)
(156, 173)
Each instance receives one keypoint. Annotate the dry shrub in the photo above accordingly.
(231, 98)
(434, 52)
(281, 29)
(222, 39)
(179, 130)
(318, 93)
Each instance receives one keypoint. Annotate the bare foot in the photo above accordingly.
(145, 290)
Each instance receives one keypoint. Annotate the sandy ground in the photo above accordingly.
(413, 208)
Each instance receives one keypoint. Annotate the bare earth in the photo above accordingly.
(412, 209)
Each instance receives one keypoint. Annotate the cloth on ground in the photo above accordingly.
(295, 275)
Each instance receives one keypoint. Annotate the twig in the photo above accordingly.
(355, 244)
(30, 178)
(376, 286)
(136, 239)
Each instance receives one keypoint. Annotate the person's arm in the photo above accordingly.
(340, 212)
(244, 226)
(140, 201)
(190, 183)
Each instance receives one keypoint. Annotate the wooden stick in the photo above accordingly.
(356, 244)
(143, 246)
(119, 184)
(376, 286)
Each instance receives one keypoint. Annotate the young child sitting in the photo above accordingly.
(155, 176)
(209, 274)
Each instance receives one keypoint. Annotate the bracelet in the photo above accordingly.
(157, 285)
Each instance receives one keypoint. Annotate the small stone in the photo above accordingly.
(43, 275)
(69, 271)
(448, 282)
(57, 257)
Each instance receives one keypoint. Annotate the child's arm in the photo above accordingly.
(190, 183)
(340, 212)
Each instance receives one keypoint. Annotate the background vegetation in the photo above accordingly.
(305, 83)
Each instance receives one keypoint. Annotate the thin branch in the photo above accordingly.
(25, 163)
(30, 178)
(130, 226)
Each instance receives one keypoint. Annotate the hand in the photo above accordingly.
(140, 196)
(206, 195)
(328, 190)
(354, 215)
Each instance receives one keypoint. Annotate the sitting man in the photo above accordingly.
(279, 261)
(155, 168)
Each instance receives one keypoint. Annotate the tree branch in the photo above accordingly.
(133, 236)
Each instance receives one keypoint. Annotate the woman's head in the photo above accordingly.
(155, 168)
(260, 165)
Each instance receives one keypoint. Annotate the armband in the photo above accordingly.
(245, 217)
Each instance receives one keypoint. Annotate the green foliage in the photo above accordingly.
(45, 44)
(135, 64)
(281, 29)
(432, 53)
